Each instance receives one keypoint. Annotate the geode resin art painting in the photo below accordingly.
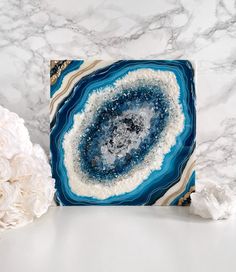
(123, 132)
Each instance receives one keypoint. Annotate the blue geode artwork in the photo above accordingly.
(123, 132)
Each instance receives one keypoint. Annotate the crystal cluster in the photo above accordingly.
(214, 201)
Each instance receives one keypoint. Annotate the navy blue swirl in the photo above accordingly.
(104, 128)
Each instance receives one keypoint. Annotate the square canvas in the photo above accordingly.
(123, 132)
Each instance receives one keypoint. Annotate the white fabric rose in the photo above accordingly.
(22, 165)
(5, 169)
(26, 185)
(8, 195)
(38, 194)
(8, 143)
(14, 136)
(42, 162)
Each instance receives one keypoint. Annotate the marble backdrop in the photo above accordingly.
(33, 32)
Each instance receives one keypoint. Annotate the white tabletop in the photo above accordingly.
(114, 239)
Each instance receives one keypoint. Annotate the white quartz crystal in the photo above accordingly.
(26, 185)
(215, 201)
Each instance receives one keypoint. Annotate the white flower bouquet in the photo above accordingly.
(26, 185)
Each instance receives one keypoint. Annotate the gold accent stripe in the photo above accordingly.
(53, 63)
(186, 196)
(54, 77)
(92, 65)
(187, 176)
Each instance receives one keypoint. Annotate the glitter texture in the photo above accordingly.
(123, 134)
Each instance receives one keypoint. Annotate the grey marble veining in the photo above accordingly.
(33, 32)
